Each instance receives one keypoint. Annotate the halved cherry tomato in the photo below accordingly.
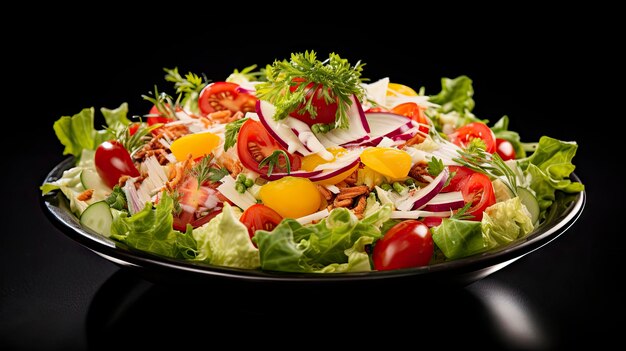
(132, 129)
(505, 149)
(254, 144)
(478, 191)
(326, 112)
(461, 175)
(465, 134)
(198, 204)
(407, 244)
(220, 96)
(113, 161)
(414, 112)
(259, 216)
(154, 117)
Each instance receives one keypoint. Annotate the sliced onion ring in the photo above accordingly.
(445, 202)
(421, 197)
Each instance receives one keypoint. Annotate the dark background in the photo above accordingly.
(55, 294)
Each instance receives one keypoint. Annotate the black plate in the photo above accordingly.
(561, 216)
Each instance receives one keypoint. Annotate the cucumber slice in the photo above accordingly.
(98, 217)
(91, 180)
(530, 201)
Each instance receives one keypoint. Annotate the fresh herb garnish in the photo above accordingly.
(435, 166)
(203, 171)
(461, 215)
(248, 74)
(190, 85)
(334, 80)
(232, 130)
(117, 199)
(477, 159)
(135, 141)
(164, 104)
(273, 160)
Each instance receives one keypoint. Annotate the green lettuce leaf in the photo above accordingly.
(459, 238)
(117, 116)
(77, 133)
(506, 221)
(150, 230)
(225, 241)
(455, 95)
(549, 168)
(330, 245)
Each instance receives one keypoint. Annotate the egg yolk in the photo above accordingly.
(291, 197)
(390, 162)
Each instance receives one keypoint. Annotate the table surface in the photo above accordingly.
(55, 294)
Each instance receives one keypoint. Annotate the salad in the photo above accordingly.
(305, 166)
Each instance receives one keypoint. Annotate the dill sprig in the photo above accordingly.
(333, 79)
(477, 159)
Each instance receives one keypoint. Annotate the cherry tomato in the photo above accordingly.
(461, 175)
(154, 117)
(465, 134)
(254, 144)
(259, 216)
(505, 149)
(326, 112)
(407, 244)
(478, 190)
(432, 221)
(132, 129)
(198, 203)
(220, 96)
(414, 112)
(113, 161)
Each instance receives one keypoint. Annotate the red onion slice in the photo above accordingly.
(418, 199)
(445, 202)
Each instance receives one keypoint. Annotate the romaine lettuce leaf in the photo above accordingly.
(225, 241)
(151, 230)
(116, 116)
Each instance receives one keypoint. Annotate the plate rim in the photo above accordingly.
(68, 224)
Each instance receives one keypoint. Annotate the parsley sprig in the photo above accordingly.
(333, 79)
(231, 133)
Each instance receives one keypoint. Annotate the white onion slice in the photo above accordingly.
(357, 131)
(421, 197)
(313, 217)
